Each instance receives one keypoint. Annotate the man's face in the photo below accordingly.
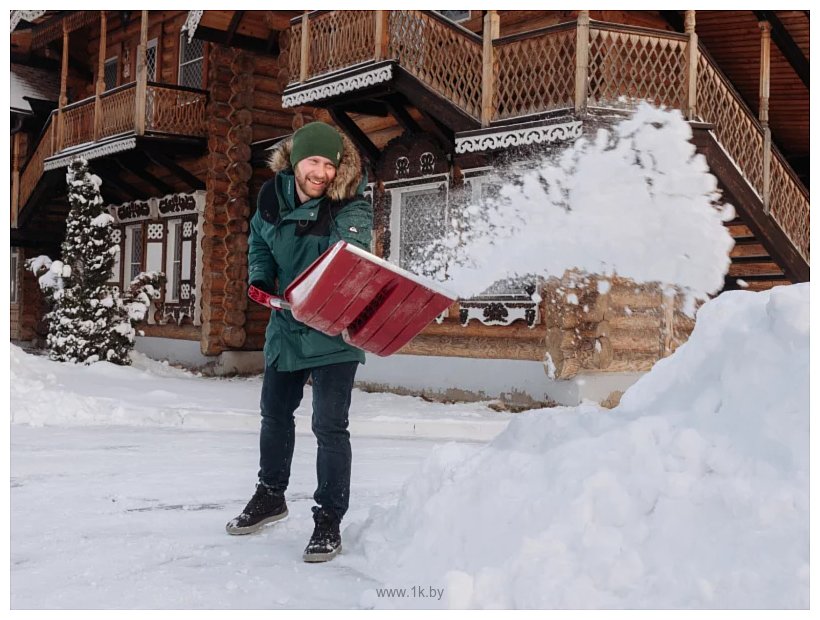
(313, 175)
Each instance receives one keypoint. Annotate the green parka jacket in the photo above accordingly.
(286, 239)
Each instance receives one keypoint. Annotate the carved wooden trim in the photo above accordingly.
(340, 84)
(518, 136)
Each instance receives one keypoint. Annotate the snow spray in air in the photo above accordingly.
(636, 201)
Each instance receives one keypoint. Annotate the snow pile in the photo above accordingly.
(694, 493)
(636, 201)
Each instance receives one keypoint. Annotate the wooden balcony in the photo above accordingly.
(112, 123)
(569, 69)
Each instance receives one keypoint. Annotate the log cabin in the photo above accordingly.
(177, 110)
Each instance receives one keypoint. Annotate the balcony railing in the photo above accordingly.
(166, 109)
(569, 67)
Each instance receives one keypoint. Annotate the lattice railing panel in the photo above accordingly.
(789, 207)
(534, 75)
(117, 110)
(734, 126)
(445, 60)
(34, 168)
(339, 39)
(295, 53)
(78, 125)
(176, 111)
(627, 66)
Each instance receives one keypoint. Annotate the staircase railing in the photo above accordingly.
(34, 167)
(576, 65)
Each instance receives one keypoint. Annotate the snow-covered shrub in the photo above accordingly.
(88, 320)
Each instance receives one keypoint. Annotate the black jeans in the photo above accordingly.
(281, 394)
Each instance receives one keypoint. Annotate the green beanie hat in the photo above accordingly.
(316, 138)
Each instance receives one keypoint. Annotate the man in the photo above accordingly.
(314, 200)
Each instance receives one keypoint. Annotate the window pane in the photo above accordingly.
(151, 62)
(190, 75)
(190, 51)
(136, 254)
(110, 73)
(423, 216)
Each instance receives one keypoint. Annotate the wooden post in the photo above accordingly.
(15, 179)
(141, 93)
(382, 35)
(100, 86)
(691, 103)
(582, 62)
(765, 72)
(63, 101)
(305, 57)
(492, 28)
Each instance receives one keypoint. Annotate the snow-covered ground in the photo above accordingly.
(694, 493)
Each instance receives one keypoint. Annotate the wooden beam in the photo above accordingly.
(141, 91)
(304, 59)
(763, 109)
(491, 32)
(444, 134)
(100, 85)
(252, 44)
(178, 171)
(382, 35)
(785, 43)
(582, 62)
(105, 170)
(358, 137)
(400, 113)
(137, 167)
(424, 98)
(63, 101)
(235, 21)
(370, 108)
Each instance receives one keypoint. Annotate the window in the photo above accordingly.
(191, 61)
(15, 264)
(455, 16)
(418, 219)
(151, 60)
(133, 253)
(173, 267)
(110, 72)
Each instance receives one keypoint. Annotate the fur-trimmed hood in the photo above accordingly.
(349, 174)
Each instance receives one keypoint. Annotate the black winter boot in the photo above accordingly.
(326, 542)
(266, 506)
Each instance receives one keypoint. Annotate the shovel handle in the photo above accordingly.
(267, 300)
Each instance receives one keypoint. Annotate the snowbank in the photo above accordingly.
(694, 493)
(152, 393)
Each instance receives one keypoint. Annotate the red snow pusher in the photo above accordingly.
(375, 305)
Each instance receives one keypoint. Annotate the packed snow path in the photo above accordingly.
(118, 517)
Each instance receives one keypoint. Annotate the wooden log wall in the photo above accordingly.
(227, 211)
(27, 318)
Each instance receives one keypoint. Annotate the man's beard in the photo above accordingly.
(308, 188)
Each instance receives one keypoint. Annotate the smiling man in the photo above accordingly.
(314, 200)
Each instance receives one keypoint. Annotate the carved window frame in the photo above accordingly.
(155, 217)
(396, 190)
